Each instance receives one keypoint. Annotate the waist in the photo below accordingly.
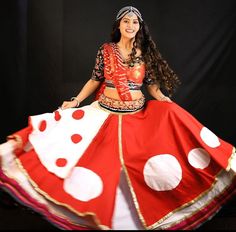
(119, 106)
(113, 93)
(131, 85)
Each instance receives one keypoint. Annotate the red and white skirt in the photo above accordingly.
(158, 168)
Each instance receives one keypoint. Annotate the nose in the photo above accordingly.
(130, 25)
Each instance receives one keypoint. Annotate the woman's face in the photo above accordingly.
(129, 26)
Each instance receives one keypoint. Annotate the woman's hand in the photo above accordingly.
(69, 104)
(163, 98)
(86, 91)
(155, 92)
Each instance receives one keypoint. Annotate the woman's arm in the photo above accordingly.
(155, 92)
(85, 92)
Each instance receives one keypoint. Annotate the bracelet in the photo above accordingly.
(75, 98)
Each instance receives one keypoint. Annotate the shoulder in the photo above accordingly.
(101, 49)
(107, 44)
(106, 47)
(102, 46)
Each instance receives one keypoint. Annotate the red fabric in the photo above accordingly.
(136, 73)
(114, 70)
(101, 157)
(165, 128)
(23, 134)
(161, 128)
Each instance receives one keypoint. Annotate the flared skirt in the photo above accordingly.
(72, 164)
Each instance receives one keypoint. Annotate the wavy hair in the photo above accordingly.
(157, 68)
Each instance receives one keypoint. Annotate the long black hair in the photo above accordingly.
(157, 68)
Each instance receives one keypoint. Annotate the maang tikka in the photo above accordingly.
(128, 9)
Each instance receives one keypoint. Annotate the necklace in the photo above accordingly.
(124, 53)
(125, 56)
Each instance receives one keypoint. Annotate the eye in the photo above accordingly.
(136, 22)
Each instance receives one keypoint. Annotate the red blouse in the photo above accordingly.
(111, 69)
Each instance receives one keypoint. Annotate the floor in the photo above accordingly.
(14, 216)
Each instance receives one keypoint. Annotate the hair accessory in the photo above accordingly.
(127, 9)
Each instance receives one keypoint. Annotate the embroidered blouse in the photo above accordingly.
(136, 74)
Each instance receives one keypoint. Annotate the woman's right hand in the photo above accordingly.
(69, 104)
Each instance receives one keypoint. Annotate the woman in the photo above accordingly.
(121, 162)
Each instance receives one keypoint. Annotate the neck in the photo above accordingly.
(126, 43)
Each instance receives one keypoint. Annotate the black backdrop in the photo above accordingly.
(48, 49)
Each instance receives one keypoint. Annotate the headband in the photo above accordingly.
(127, 9)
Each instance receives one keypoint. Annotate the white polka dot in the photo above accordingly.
(199, 158)
(83, 184)
(162, 172)
(209, 138)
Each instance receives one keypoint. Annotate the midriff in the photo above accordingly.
(112, 93)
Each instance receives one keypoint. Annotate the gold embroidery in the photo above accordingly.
(117, 105)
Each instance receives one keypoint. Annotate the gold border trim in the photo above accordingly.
(136, 204)
(112, 112)
(154, 226)
(44, 194)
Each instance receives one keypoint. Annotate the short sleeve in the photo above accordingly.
(98, 70)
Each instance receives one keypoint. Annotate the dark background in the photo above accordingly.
(48, 50)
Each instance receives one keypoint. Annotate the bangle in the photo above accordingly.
(75, 98)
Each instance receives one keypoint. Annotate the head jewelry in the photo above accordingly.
(127, 9)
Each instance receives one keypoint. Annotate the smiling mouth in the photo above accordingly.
(129, 31)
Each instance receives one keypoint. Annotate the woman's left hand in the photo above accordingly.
(164, 98)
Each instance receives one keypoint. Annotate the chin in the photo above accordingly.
(130, 36)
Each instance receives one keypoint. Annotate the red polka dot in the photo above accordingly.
(57, 115)
(61, 162)
(42, 125)
(78, 114)
(76, 138)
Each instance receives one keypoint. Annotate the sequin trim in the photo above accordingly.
(121, 106)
